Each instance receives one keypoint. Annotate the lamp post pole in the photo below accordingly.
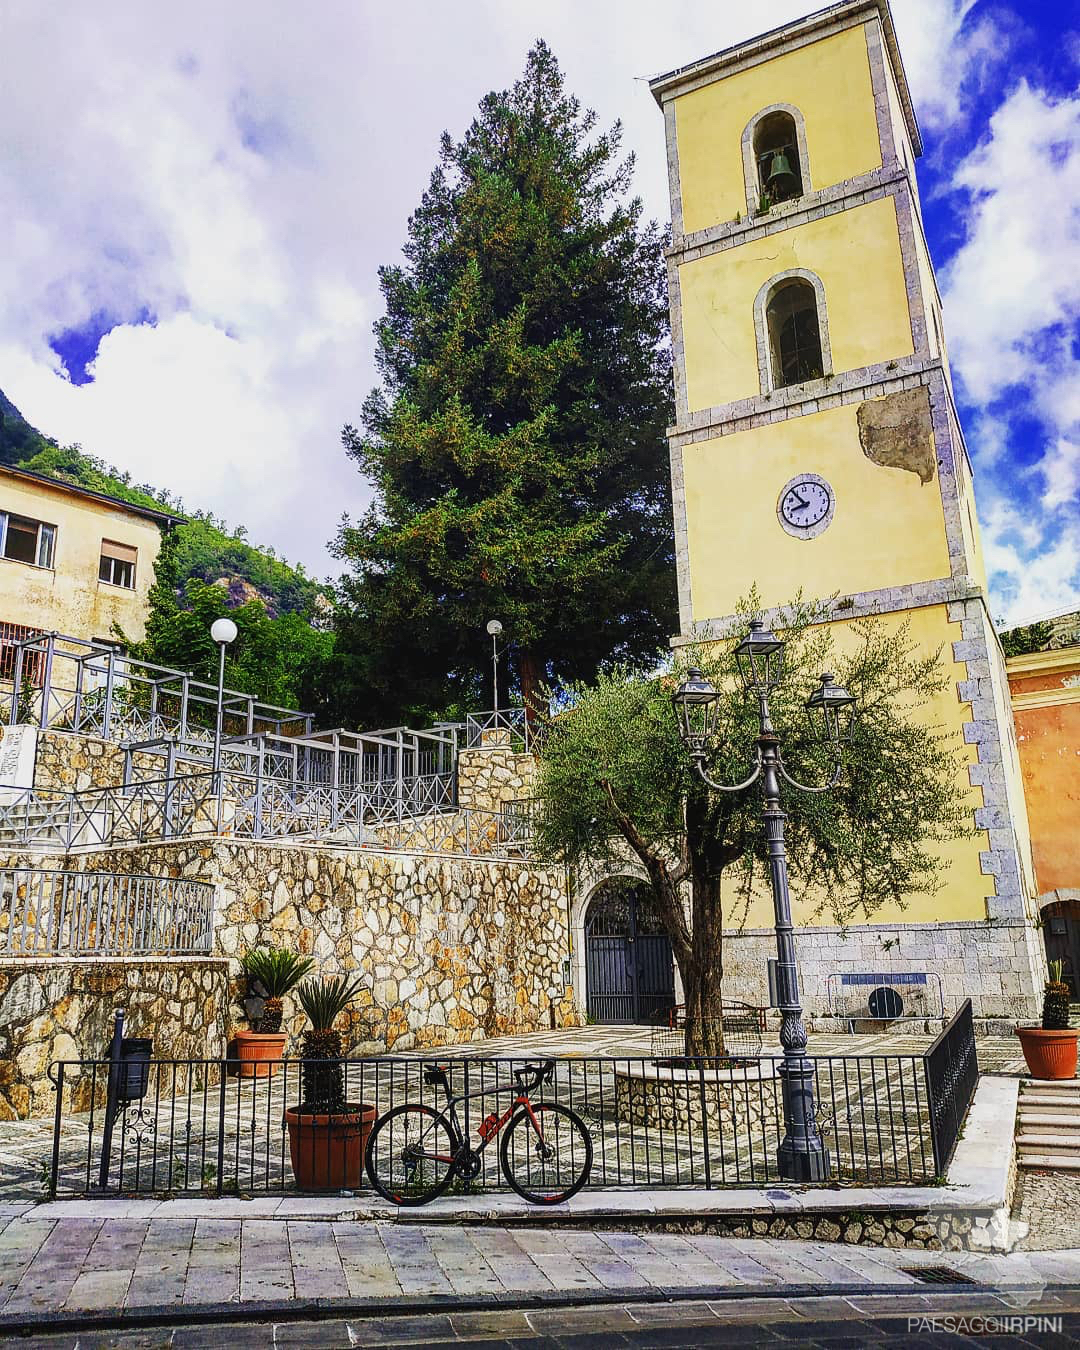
(802, 1155)
(494, 629)
(223, 631)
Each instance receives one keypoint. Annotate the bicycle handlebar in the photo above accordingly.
(538, 1073)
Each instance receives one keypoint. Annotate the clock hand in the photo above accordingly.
(803, 504)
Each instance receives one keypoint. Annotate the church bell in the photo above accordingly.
(780, 180)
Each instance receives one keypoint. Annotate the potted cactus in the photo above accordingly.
(272, 972)
(1050, 1050)
(327, 1134)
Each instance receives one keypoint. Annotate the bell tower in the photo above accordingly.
(817, 445)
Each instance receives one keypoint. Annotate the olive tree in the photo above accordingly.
(614, 776)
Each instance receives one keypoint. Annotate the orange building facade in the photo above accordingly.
(1045, 689)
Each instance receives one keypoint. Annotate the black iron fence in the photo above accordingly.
(952, 1074)
(193, 1126)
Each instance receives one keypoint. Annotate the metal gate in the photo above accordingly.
(629, 971)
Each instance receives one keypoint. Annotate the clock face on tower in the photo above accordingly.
(805, 506)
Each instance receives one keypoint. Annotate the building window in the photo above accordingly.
(776, 155)
(794, 334)
(27, 541)
(11, 635)
(117, 564)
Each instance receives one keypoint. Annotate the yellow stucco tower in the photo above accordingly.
(817, 445)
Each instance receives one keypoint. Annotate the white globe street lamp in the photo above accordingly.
(223, 631)
(494, 629)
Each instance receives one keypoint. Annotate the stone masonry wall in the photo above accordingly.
(454, 949)
(986, 962)
(493, 774)
(72, 762)
(62, 1009)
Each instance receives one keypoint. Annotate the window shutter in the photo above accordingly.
(121, 552)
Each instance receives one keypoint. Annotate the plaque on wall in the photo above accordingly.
(18, 747)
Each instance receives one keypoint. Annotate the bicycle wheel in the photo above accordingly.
(553, 1164)
(410, 1155)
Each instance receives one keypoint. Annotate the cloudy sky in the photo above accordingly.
(195, 199)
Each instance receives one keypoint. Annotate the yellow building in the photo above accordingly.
(817, 445)
(72, 561)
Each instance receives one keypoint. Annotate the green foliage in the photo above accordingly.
(323, 1001)
(614, 776)
(277, 969)
(279, 661)
(1033, 637)
(516, 446)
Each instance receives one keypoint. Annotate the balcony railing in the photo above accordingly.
(46, 912)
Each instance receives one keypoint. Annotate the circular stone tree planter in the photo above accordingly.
(742, 1100)
(258, 1053)
(1049, 1054)
(327, 1151)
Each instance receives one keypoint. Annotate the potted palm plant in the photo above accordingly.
(327, 1134)
(1050, 1050)
(275, 971)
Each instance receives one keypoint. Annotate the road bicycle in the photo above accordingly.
(546, 1152)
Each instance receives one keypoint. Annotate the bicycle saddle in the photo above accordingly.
(435, 1075)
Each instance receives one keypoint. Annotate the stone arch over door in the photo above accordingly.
(628, 968)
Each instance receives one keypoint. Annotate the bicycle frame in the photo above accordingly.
(461, 1138)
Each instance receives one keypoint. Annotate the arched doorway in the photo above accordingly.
(629, 970)
(1061, 933)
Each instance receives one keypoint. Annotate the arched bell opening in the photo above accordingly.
(629, 968)
(776, 154)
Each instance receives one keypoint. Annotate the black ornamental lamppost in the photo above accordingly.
(802, 1155)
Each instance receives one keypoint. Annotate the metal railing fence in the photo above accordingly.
(952, 1075)
(716, 1124)
(422, 821)
(71, 684)
(47, 912)
(502, 727)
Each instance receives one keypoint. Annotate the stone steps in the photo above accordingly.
(1048, 1125)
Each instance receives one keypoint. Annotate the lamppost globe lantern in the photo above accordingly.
(760, 658)
(695, 704)
(223, 631)
(831, 709)
(494, 627)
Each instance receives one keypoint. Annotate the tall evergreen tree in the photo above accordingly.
(516, 443)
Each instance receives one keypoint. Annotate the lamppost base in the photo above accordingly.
(802, 1163)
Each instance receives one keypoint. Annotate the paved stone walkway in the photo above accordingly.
(1049, 1204)
(93, 1265)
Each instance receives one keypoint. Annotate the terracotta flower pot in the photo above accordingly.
(259, 1053)
(1049, 1054)
(327, 1151)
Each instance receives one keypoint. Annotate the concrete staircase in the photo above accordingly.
(1048, 1124)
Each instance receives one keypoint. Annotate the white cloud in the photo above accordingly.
(1011, 298)
(240, 172)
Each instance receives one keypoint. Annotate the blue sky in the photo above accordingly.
(198, 198)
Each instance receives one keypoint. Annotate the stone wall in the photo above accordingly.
(453, 949)
(71, 762)
(62, 1009)
(986, 962)
(494, 773)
